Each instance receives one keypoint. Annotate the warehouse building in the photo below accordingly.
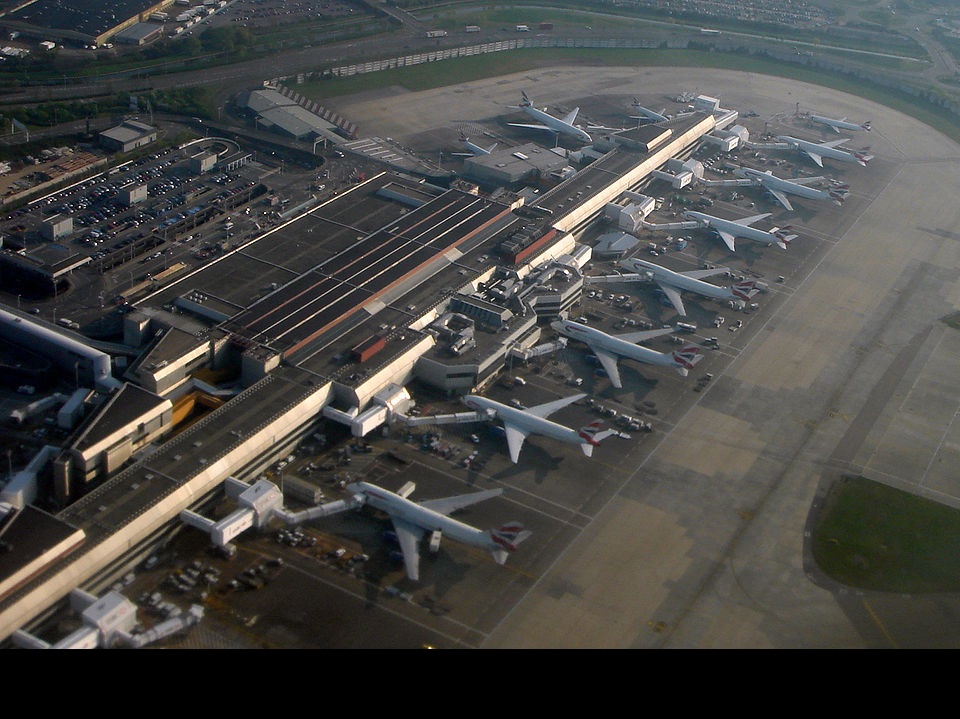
(82, 22)
(127, 136)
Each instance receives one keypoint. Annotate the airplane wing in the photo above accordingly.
(547, 408)
(531, 126)
(409, 536)
(781, 197)
(700, 274)
(727, 238)
(837, 143)
(806, 180)
(449, 505)
(571, 116)
(747, 221)
(609, 364)
(815, 157)
(674, 296)
(515, 437)
(643, 335)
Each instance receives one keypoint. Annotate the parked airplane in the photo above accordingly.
(610, 348)
(731, 229)
(556, 125)
(412, 520)
(473, 149)
(647, 115)
(816, 151)
(672, 283)
(520, 423)
(841, 124)
(780, 187)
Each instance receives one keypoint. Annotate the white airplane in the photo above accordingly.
(647, 115)
(556, 125)
(412, 520)
(841, 124)
(780, 187)
(729, 230)
(672, 283)
(520, 423)
(473, 149)
(816, 151)
(610, 348)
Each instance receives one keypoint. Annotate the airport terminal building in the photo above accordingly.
(322, 318)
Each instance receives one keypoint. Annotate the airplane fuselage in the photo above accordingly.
(556, 124)
(614, 345)
(734, 228)
(775, 185)
(648, 115)
(679, 280)
(476, 149)
(839, 124)
(524, 420)
(779, 183)
(824, 150)
(427, 519)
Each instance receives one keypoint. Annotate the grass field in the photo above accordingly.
(451, 72)
(875, 537)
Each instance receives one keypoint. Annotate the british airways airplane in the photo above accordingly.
(473, 149)
(673, 283)
(729, 230)
(780, 187)
(519, 423)
(841, 124)
(549, 123)
(816, 151)
(610, 348)
(412, 520)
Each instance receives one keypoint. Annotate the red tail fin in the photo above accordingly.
(589, 432)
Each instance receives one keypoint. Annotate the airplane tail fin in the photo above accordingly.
(526, 100)
(745, 290)
(506, 539)
(686, 358)
(783, 239)
(592, 436)
(862, 157)
(868, 126)
(839, 193)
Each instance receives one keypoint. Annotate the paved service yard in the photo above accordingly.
(692, 536)
(848, 370)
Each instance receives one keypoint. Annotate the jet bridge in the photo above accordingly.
(259, 503)
(456, 418)
(686, 225)
(110, 621)
(600, 279)
(527, 353)
(733, 182)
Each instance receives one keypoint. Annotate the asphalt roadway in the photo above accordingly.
(703, 544)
